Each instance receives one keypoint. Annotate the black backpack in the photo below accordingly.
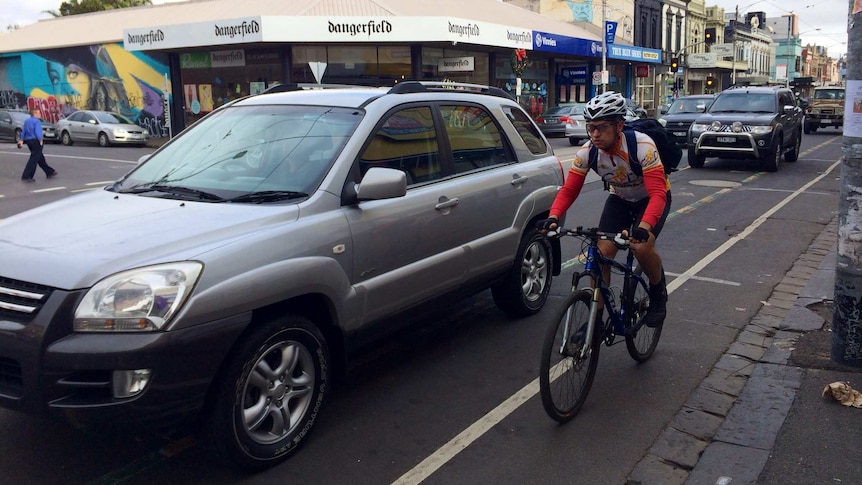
(669, 152)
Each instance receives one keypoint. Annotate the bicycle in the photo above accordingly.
(568, 364)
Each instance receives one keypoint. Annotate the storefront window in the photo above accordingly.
(534, 83)
(456, 65)
(359, 65)
(213, 78)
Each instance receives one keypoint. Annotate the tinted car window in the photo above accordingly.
(475, 140)
(406, 141)
(689, 105)
(829, 94)
(743, 102)
(527, 130)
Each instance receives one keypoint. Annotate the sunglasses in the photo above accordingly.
(591, 127)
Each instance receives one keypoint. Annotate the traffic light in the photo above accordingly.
(680, 83)
(674, 63)
(709, 36)
(710, 81)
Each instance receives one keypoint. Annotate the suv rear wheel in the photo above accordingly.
(793, 154)
(525, 289)
(270, 393)
(771, 162)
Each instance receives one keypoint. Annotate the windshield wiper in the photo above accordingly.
(173, 189)
(268, 196)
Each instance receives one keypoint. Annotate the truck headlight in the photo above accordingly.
(761, 130)
(699, 127)
(137, 300)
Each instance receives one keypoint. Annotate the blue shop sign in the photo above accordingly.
(634, 53)
(563, 44)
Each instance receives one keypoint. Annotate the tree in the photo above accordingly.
(75, 7)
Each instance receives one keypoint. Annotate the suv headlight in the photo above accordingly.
(137, 300)
(699, 127)
(761, 130)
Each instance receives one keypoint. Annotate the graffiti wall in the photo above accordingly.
(99, 77)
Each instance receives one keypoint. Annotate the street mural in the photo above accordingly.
(102, 77)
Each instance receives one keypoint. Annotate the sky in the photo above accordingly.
(830, 16)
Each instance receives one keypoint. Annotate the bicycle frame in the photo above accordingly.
(618, 316)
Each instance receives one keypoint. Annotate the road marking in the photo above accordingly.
(54, 155)
(457, 444)
(49, 189)
(708, 280)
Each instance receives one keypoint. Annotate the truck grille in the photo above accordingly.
(21, 301)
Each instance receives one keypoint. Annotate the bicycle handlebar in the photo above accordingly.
(593, 233)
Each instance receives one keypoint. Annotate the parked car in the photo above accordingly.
(636, 108)
(553, 121)
(12, 122)
(242, 265)
(825, 109)
(759, 123)
(681, 113)
(102, 127)
(576, 127)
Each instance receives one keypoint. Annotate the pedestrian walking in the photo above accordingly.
(31, 135)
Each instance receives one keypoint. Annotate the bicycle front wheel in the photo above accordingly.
(565, 377)
(641, 340)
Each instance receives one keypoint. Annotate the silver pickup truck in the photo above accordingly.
(235, 271)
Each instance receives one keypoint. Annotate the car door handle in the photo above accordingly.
(518, 180)
(446, 203)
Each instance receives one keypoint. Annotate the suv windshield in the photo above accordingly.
(743, 102)
(689, 105)
(829, 94)
(248, 149)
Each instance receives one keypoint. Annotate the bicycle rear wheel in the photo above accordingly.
(564, 377)
(642, 340)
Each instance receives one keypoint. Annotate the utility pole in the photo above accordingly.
(847, 307)
(604, 47)
(733, 39)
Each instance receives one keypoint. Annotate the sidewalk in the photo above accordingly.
(759, 416)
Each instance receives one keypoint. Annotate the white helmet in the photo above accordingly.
(608, 104)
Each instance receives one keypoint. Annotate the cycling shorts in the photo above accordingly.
(619, 214)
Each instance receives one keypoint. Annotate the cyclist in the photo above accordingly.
(633, 199)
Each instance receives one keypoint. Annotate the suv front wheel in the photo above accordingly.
(525, 288)
(694, 160)
(270, 393)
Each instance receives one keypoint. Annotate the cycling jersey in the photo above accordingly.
(614, 168)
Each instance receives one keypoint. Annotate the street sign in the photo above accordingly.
(722, 50)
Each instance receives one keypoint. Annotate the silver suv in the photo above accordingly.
(235, 271)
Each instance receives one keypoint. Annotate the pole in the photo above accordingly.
(733, 36)
(847, 307)
(787, 50)
(604, 47)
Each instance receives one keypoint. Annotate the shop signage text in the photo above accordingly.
(456, 64)
(633, 53)
(367, 28)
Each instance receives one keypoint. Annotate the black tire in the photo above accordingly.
(574, 141)
(773, 159)
(642, 340)
(793, 154)
(806, 128)
(17, 134)
(564, 378)
(280, 369)
(694, 160)
(103, 140)
(66, 138)
(524, 291)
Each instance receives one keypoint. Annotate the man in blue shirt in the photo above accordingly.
(31, 134)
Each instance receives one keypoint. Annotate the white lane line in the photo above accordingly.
(708, 280)
(460, 442)
(50, 189)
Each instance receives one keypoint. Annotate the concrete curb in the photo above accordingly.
(729, 424)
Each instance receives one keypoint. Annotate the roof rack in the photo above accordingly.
(405, 87)
(280, 88)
